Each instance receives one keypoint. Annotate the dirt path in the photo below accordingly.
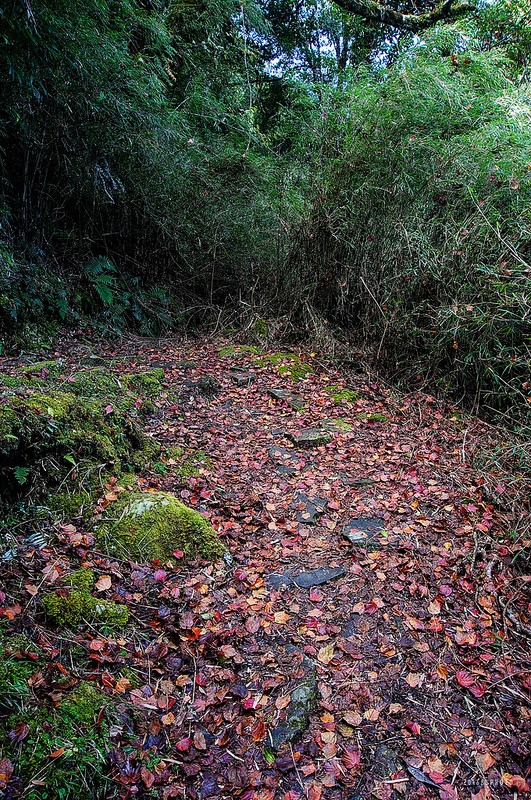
(353, 644)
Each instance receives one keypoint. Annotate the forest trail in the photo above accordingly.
(354, 643)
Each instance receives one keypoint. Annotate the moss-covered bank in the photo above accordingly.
(54, 426)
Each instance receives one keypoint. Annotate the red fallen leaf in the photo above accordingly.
(97, 644)
(314, 792)
(414, 727)
(178, 554)
(315, 595)
(11, 611)
(148, 779)
(470, 682)
(292, 795)
(56, 753)
(258, 731)
(466, 637)
(515, 782)
(250, 703)
(351, 757)
(109, 409)
(483, 794)
(436, 777)
(252, 624)
(447, 792)
(6, 770)
(19, 732)
(160, 575)
(183, 745)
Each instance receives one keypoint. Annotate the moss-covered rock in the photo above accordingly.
(74, 602)
(68, 504)
(151, 525)
(49, 432)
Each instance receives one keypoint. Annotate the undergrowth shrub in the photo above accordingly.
(420, 238)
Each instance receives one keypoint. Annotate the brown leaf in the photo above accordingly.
(252, 624)
(485, 761)
(148, 779)
(326, 654)
(199, 740)
(19, 732)
(353, 718)
(103, 583)
(283, 701)
(6, 770)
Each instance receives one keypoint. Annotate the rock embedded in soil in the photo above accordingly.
(386, 762)
(295, 401)
(303, 700)
(242, 378)
(308, 508)
(364, 530)
(204, 387)
(310, 437)
(318, 576)
(287, 460)
(305, 580)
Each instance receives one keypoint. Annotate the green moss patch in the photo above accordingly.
(65, 752)
(74, 603)
(376, 417)
(286, 364)
(151, 525)
(19, 660)
(336, 425)
(340, 394)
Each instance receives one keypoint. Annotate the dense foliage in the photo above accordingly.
(160, 160)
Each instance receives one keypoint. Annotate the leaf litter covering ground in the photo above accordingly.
(419, 650)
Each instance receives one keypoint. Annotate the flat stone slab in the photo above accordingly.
(204, 387)
(310, 437)
(287, 460)
(364, 530)
(242, 378)
(295, 401)
(308, 508)
(305, 580)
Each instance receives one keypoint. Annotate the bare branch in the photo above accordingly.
(375, 12)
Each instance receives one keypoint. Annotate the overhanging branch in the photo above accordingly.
(375, 12)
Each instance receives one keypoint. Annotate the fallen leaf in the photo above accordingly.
(326, 654)
(351, 757)
(103, 583)
(515, 782)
